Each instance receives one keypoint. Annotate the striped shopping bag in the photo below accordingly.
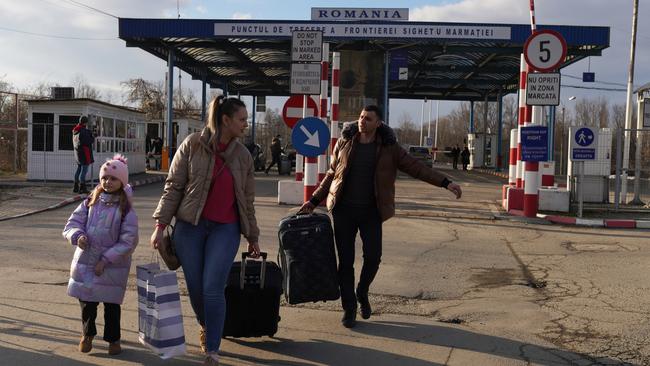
(160, 320)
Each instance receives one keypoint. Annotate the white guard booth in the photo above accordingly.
(51, 156)
(483, 150)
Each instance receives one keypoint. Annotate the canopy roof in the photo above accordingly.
(446, 61)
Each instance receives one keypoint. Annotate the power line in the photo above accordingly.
(592, 88)
(55, 36)
(91, 8)
(600, 82)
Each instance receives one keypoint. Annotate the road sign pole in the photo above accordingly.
(581, 179)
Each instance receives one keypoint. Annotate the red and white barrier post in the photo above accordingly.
(334, 124)
(521, 117)
(512, 173)
(322, 159)
(531, 176)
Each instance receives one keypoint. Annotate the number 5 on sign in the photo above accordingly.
(545, 50)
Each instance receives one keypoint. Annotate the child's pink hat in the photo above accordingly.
(117, 168)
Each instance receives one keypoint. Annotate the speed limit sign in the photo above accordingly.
(545, 50)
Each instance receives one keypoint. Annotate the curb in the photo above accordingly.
(80, 197)
(492, 172)
(604, 223)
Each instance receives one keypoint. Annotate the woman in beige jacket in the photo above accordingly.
(210, 190)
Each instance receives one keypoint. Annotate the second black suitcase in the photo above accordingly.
(253, 298)
(308, 259)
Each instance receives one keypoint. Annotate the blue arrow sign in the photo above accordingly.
(310, 137)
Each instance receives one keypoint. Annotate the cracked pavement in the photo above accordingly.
(455, 287)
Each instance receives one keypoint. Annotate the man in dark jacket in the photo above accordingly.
(360, 192)
(276, 152)
(82, 140)
(455, 153)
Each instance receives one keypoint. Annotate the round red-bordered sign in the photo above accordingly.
(545, 50)
(292, 110)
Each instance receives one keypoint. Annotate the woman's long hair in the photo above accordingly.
(125, 206)
(219, 107)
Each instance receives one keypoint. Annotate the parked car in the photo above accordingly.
(422, 153)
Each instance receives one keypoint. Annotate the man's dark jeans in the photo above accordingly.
(347, 222)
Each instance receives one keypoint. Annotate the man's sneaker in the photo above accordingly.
(203, 340)
(86, 344)
(364, 303)
(114, 348)
(211, 359)
(349, 318)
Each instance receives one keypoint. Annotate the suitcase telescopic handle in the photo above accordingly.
(242, 274)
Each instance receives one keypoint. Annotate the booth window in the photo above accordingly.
(66, 124)
(42, 132)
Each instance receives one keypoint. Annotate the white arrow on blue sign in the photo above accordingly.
(310, 137)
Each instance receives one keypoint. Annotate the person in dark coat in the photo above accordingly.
(82, 141)
(465, 157)
(455, 153)
(276, 152)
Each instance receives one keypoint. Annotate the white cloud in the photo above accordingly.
(242, 16)
(201, 9)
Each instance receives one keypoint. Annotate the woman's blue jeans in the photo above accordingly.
(206, 252)
(80, 174)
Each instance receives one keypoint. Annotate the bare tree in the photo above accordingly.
(147, 96)
(407, 132)
(592, 112)
(83, 90)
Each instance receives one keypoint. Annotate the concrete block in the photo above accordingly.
(642, 224)
(590, 222)
(504, 196)
(290, 192)
(553, 199)
(515, 199)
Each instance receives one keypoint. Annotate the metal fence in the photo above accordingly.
(632, 177)
(13, 132)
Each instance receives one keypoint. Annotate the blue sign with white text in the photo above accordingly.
(534, 143)
(310, 137)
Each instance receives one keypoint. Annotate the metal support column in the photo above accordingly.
(551, 134)
(499, 130)
(203, 101)
(386, 74)
(253, 124)
(170, 103)
(471, 116)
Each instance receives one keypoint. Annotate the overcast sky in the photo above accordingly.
(38, 38)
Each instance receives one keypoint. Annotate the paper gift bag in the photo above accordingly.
(160, 320)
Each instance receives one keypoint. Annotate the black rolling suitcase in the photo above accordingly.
(253, 298)
(308, 259)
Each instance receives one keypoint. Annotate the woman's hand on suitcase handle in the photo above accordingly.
(306, 208)
(254, 249)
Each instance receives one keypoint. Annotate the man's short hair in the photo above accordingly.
(374, 108)
(83, 120)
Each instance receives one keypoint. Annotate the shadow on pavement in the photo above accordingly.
(323, 352)
(464, 339)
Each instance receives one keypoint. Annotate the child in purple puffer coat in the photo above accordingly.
(104, 227)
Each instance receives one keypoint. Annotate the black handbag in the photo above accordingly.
(167, 250)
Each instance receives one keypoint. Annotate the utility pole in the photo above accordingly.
(628, 105)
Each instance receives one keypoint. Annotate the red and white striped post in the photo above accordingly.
(512, 173)
(325, 64)
(334, 124)
(531, 176)
(521, 118)
(311, 177)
